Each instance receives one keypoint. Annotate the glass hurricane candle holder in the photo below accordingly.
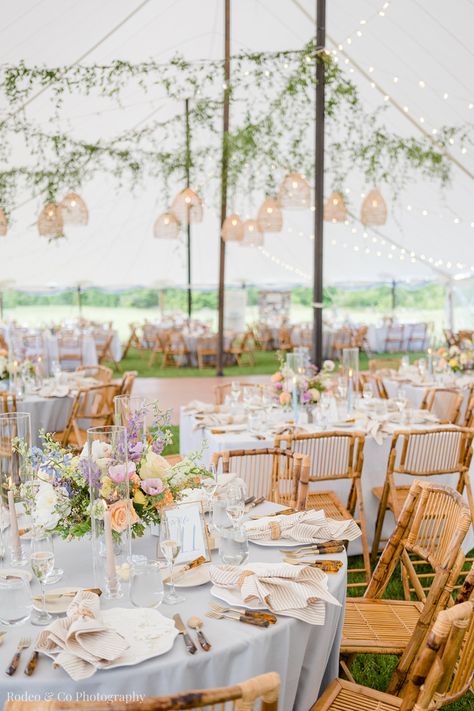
(112, 512)
(15, 470)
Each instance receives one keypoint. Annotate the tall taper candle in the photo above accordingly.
(109, 549)
(14, 535)
(350, 391)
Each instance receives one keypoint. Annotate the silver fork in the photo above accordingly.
(24, 643)
(249, 613)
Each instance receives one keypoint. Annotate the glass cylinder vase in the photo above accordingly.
(15, 471)
(112, 512)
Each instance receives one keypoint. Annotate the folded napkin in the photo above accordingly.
(377, 429)
(219, 420)
(202, 407)
(304, 527)
(285, 589)
(81, 643)
(54, 390)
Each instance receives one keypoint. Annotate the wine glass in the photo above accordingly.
(235, 391)
(15, 600)
(422, 368)
(146, 586)
(171, 541)
(401, 401)
(367, 392)
(42, 565)
(209, 486)
(235, 502)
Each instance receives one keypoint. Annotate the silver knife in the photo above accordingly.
(190, 646)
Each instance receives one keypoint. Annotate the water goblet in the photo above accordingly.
(42, 565)
(234, 546)
(367, 392)
(146, 585)
(171, 541)
(15, 600)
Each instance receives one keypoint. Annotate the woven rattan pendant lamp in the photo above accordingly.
(166, 226)
(74, 210)
(374, 209)
(270, 216)
(335, 208)
(294, 192)
(233, 228)
(50, 221)
(187, 206)
(253, 236)
(3, 223)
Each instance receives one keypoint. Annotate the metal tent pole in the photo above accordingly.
(319, 188)
(188, 178)
(224, 171)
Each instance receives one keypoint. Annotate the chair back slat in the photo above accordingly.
(333, 455)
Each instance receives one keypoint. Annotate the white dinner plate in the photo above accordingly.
(342, 424)
(191, 578)
(228, 428)
(233, 598)
(56, 605)
(148, 632)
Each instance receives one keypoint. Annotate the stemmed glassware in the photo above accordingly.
(235, 392)
(401, 401)
(42, 565)
(209, 486)
(171, 541)
(367, 392)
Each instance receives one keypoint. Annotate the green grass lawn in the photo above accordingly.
(266, 363)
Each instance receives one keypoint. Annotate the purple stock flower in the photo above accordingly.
(152, 486)
(90, 471)
(307, 396)
(135, 451)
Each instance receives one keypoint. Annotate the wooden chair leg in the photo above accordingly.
(379, 521)
(363, 528)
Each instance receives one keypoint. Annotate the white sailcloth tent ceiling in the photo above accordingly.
(415, 57)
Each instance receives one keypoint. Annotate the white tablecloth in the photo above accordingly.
(238, 651)
(373, 473)
(50, 414)
(89, 353)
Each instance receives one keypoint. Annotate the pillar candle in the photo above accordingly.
(349, 391)
(109, 547)
(15, 537)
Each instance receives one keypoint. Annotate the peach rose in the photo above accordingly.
(119, 515)
(277, 377)
(285, 399)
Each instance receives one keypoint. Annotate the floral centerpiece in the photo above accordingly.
(457, 359)
(60, 499)
(311, 383)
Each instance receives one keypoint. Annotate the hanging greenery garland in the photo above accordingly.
(272, 97)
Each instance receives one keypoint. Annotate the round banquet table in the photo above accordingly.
(47, 413)
(238, 651)
(373, 472)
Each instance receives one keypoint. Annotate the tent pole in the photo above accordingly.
(188, 226)
(394, 296)
(450, 304)
(79, 301)
(224, 176)
(319, 188)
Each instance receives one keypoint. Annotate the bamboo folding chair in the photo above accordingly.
(383, 364)
(445, 403)
(241, 347)
(221, 391)
(263, 337)
(278, 475)
(335, 456)
(133, 340)
(103, 341)
(70, 349)
(394, 338)
(432, 526)
(175, 351)
(127, 382)
(206, 349)
(442, 673)
(260, 692)
(92, 407)
(342, 339)
(7, 403)
(423, 453)
(99, 372)
(285, 341)
(376, 383)
(158, 348)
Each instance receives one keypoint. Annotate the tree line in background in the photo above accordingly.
(430, 296)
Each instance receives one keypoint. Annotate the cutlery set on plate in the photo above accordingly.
(196, 624)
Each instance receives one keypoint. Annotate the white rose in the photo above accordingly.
(315, 394)
(329, 365)
(46, 500)
(100, 450)
(154, 466)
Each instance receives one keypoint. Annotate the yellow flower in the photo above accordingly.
(155, 466)
(139, 497)
(107, 487)
(453, 363)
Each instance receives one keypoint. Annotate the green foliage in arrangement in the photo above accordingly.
(272, 97)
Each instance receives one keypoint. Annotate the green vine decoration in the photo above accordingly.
(272, 126)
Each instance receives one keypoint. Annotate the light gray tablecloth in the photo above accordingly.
(89, 353)
(50, 414)
(373, 472)
(305, 656)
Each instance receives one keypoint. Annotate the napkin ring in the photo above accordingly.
(244, 574)
(84, 612)
(275, 530)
